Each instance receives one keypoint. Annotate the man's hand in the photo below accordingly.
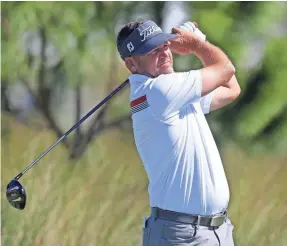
(193, 27)
(181, 44)
(184, 41)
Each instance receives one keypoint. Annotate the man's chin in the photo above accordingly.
(165, 70)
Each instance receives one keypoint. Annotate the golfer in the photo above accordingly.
(188, 190)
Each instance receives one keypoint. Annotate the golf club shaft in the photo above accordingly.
(73, 128)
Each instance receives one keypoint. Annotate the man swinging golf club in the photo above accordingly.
(188, 190)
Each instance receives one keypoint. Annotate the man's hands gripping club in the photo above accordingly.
(186, 34)
(218, 68)
(225, 93)
(193, 27)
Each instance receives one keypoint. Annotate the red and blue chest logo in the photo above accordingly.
(139, 104)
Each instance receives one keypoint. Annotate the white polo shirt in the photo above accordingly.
(176, 145)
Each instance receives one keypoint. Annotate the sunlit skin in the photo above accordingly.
(154, 63)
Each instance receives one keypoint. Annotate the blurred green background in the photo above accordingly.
(59, 59)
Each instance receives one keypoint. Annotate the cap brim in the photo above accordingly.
(153, 43)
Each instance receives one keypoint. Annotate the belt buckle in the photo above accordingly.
(217, 220)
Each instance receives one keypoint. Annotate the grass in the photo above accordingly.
(101, 199)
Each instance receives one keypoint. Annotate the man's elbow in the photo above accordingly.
(232, 68)
(229, 72)
(235, 92)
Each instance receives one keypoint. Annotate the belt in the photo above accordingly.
(213, 220)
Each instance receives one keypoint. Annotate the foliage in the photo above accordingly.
(80, 50)
(53, 47)
(101, 202)
(257, 120)
(62, 46)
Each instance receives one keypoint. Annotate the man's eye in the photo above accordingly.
(152, 53)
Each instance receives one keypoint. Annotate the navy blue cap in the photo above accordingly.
(145, 38)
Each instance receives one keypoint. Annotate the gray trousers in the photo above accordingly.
(159, 232)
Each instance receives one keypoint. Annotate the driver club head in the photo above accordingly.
(16, 194)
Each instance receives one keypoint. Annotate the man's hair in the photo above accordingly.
(126, 31)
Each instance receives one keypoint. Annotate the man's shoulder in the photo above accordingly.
(138, 83)
(138, 78)
(141, 78)
(179, 76)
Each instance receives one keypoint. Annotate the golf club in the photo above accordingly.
(15, 192)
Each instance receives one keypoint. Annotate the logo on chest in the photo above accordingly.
(139, 104)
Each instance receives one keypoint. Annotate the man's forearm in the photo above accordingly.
(225, 93)
(232, 84)
(209, 58)
(209, 54)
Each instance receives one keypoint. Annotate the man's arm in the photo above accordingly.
(225, 94)
(218, 68)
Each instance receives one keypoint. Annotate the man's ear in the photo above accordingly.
(131, 65)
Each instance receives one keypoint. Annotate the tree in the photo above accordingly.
(257, 121)
(60, 45)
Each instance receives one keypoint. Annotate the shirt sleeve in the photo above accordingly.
(168, 93)
(205, 102)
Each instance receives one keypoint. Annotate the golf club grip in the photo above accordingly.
(74, 127)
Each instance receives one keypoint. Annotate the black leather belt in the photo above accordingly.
(213, 220)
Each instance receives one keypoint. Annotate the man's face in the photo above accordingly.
(156, 62)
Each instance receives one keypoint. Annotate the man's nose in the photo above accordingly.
(163, 48)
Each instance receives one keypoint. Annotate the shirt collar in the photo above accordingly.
(138, 78)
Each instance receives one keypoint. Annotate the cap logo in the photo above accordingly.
(130, 47)
(148, 31)
(143, 39)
